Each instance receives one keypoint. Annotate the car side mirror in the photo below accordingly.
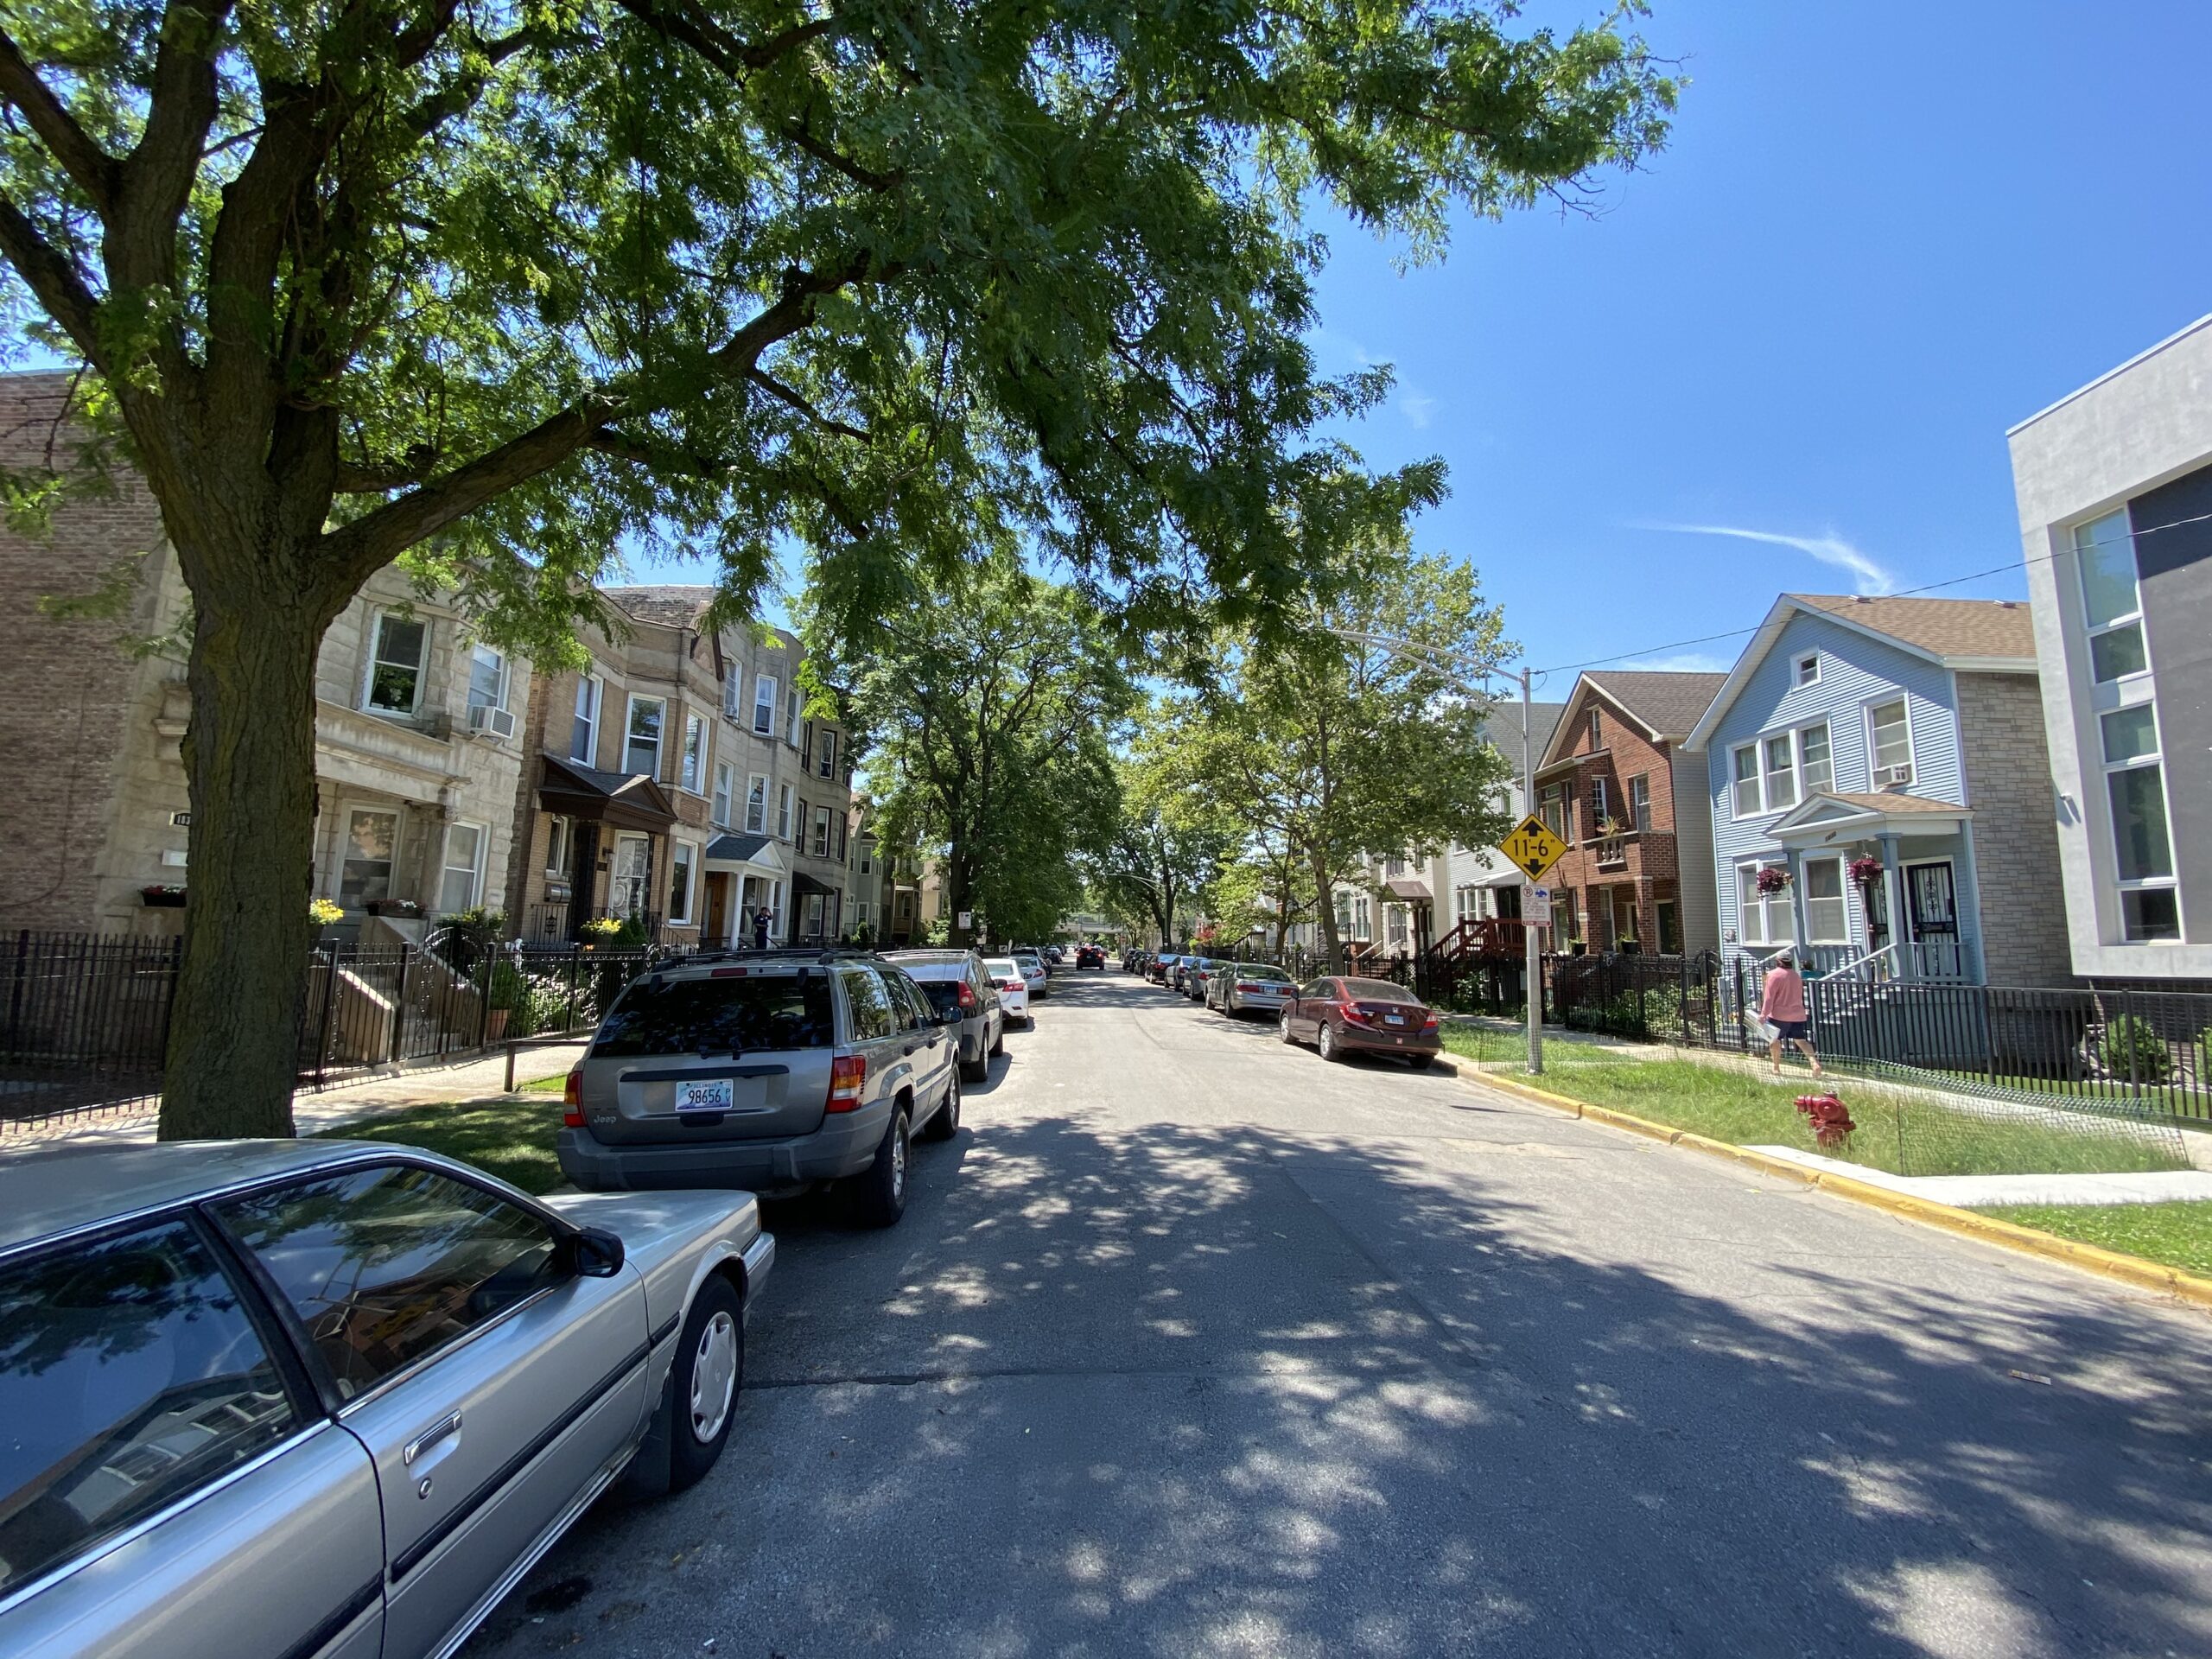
(596, 1253)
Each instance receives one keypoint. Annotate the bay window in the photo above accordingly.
(694, 753)
(681, 859)
(724, 787)
(756, 804)
(400, 647)
(642, 752)
(583, 731)
(764, 705)
(487, 678)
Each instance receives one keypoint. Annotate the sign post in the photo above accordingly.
(1533, 848)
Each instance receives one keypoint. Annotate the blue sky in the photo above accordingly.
(1881, 234)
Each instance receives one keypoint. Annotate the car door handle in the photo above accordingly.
(444, 1430)
(910, 1048)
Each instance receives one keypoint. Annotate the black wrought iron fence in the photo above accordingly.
(84, 1018)
(1651, 999)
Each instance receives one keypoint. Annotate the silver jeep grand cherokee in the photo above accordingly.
(772, 1069)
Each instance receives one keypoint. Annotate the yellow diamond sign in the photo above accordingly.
(1532, 847)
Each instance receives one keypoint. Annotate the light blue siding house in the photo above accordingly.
(1881, 797)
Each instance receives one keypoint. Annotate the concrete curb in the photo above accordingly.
(2090, 1258)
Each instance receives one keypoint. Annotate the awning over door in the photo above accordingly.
(628, 801)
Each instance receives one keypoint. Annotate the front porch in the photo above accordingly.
(1878, 887)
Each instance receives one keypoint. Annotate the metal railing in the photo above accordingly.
(84, 1021)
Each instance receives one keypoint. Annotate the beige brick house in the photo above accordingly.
(416, 752)
(677, 782)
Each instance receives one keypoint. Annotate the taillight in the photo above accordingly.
(1428, 1020)
(967, 994)
(1354, 1012)
(1241, 986)
(572, 1099)
(847, 1073)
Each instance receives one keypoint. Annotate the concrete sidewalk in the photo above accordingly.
(1973, 1191)
(480, 1078)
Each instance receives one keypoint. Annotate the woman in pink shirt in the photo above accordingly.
(1781, 1004)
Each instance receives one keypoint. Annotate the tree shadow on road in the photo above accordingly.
(1176, 1391)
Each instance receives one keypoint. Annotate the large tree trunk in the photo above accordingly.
(1324, 904)
(250, 759)
(959, 894)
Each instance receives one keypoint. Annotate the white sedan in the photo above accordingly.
(1034, 975)
(1013, 988)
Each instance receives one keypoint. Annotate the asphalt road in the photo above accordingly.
(1191, 1344)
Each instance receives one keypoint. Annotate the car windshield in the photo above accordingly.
(719, 1016)
(1262, 971)
(1377, 990)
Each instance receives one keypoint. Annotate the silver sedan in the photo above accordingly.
(330, 1398)
(1238, 987)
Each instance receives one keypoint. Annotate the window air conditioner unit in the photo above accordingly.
(499, 722)
(1893, 777)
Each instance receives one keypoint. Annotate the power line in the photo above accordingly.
(1905, 592)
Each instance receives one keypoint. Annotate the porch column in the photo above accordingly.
(1794, 861)
(1967, 903)
(1893, 901)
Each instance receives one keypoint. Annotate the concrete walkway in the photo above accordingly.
(480, 1078)
(1969, 1191)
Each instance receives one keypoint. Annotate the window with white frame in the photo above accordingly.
(2142, 846)
(1808, 668)
(821, 847)
(785, 829)
(399, 648)
(559, 845)
(694, 753)
(1363, 918)
(733, 689)
(641, 747)
(2112, 605)
(1597, 728)
(756, 804)
(1397, 865)
(792, 703)
(1601, 803)
(487, 677)
(764, 705)
(725, 788)
(1466, 903)
(462, 885)
(829, 758)
(1394, 921)
(1889, 726)
(776, 911)
(1827, 917)
(1743, 770)
(683, 861)
(866, 862)
(1781, 772)
(806, 746)
(583, 731)
(368, 854)
(1639, 803)
(1554, 805)
(1344, 916)
(1815, 769)
(1762, 919)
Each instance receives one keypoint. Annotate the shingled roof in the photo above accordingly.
(1669, 704)
(1994, 628)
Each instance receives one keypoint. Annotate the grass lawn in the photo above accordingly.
(512, 1139)
(551, 1086)
(1898, 1133)
(2179, 1235)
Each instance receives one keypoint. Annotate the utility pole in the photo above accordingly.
(1533, 972)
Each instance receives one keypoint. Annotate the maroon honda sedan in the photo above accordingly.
(1343, 1017)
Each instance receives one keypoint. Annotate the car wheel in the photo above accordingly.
(976, 1070)
(1284, 1023)
(1329, 1051)
(710, 1368)
(998, 1043)
(946, 1123)
(881, 1187)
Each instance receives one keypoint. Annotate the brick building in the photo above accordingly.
(416, 761)
(1615, 785)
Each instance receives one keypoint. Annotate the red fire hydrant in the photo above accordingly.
(1830, 1118)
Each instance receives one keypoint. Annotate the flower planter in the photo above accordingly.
(402, 909)
(162, 898)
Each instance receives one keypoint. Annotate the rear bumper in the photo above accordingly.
(1356, 1041)
(1239, 1003)
(844, 1144)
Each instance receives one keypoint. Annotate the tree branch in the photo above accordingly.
(786, 394)
(94, 170)
(156, 180)
(54, 279)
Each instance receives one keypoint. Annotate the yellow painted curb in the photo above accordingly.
(2091, 1258)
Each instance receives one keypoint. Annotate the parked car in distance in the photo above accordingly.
(1195, 974)
(1343, 1017)
(1089, 956)
(1033, 972)
(1013, 988)
(1248, 988)
(1158, 969)
(334, 1397)
(955, 982)
(772, 1070)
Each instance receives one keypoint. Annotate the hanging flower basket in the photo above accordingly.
(1865, 871)
(406, 909)
(1773, 879)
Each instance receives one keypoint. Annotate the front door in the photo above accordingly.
(1671, 928)
(1933, 915)
(717, 906)
(583, 878)
(1508, 901)
(1624, 933)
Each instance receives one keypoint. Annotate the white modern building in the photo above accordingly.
(2114, 485)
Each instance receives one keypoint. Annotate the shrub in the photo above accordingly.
(2133, 1049)
(323, 912)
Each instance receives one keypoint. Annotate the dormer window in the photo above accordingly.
(1808, 668)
